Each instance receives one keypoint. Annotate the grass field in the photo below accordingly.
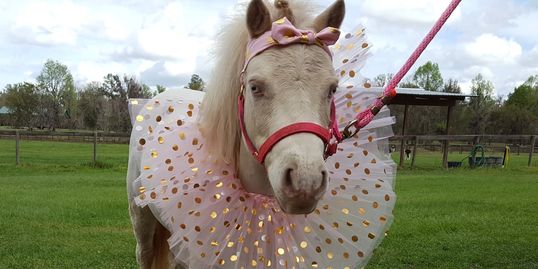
(58, 212)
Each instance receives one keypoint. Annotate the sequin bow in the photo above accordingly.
(283, 33)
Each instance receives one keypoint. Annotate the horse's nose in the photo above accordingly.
(306, 182)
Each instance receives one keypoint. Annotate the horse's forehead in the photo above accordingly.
(295, 59)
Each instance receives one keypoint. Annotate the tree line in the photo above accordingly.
(54, 101)
(483, 114)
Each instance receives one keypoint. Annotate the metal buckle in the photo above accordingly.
(346, 134)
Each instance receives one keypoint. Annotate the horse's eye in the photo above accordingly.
(332, 91)
(256, 90)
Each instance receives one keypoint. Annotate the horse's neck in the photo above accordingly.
(253, 175)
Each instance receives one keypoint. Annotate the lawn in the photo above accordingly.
(58, 212)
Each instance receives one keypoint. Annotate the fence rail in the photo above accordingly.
(525, 144)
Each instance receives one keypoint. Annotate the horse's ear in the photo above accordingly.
(332, 17)
(258, 18)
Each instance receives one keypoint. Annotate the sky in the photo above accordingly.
(165, 42)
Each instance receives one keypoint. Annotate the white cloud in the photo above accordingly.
(45, 23)
(410, 12)
(489, 48)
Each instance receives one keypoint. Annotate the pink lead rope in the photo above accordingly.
(365, 117)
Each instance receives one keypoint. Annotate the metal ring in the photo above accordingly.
(347, 133)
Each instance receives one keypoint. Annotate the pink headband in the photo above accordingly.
(284, 33)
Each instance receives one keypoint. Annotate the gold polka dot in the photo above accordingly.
(375, 205)
(355, 238)
(159, 118)
(233, 258)
(179, 123)
(371, 235)
(307, 229)
(213, 215)
(304, 244)
(362, 211)
(345, 211)
(330, 255)
(280, 251)
(367, 85)
(154, 154)
(348, 171)
(364, 45)
(352, 73)
(360, 254)
(171, 109)
(195, 142)
(191, 106)
(175, 148)
(191, 160)
(140, 118)
(318, 249)
(142, 141)
(189, 113)
(198, 200)
(355, 198)
(367, 171)
(337, 165)
(161, 140)
(182, 136)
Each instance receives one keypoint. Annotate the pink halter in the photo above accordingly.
(284, 33)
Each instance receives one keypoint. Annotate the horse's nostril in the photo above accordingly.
(288, 180)
(323, 180)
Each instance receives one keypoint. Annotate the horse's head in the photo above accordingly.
(284, 85)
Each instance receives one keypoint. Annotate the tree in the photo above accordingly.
(382, 80)
(482, 105)
(452, 86)
(56, 85)
(22, 99)
(429, 77)
(160, 89)
(196, 83)
(92, 104)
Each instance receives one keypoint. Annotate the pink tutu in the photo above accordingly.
(215, 223)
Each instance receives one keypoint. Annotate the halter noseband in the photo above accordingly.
(284, 33)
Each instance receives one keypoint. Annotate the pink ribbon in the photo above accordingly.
(283, 33)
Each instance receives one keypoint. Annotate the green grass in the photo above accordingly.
(57, 212)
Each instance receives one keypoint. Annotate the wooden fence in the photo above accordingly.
(525, 144)
(520, 143)
(80, 137)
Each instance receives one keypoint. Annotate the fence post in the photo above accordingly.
(95, 148)
(531, 152)
(17, 147)
(415, 142)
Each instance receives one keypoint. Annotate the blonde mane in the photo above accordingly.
(218, 120)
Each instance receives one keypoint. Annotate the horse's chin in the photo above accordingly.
(296, 207)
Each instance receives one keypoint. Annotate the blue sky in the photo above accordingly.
(164, 42)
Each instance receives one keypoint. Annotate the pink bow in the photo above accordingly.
(283, 33)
